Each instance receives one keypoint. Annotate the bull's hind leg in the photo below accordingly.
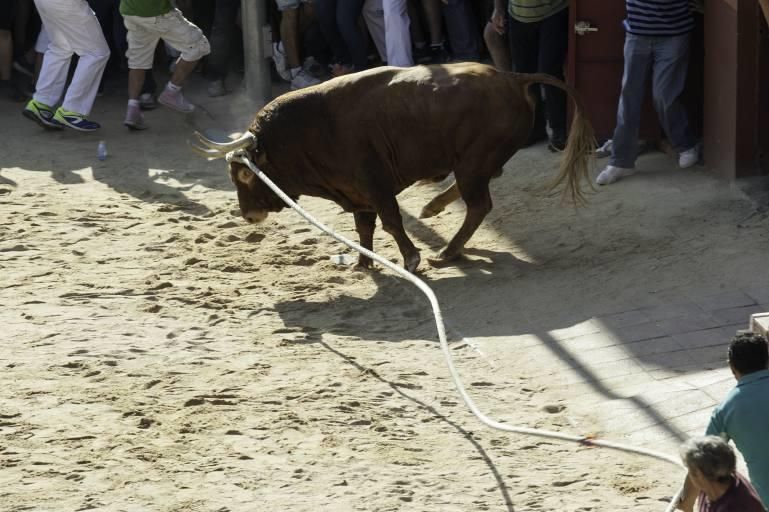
(475, 192)
(439, 202)
(392, 222)
(365, 222)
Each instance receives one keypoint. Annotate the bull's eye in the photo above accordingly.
(245, 176)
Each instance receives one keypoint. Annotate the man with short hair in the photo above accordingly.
(743, 416)
(146, 22)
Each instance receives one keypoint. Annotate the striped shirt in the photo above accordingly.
(658, 17)
(532, 11)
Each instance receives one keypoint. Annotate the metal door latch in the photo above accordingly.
(583, 27)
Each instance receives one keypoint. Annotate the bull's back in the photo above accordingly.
(415, 122)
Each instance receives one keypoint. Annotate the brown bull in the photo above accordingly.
(360, 139)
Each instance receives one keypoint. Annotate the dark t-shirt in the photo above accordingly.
(740, 497)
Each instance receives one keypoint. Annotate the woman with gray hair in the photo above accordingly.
(712, 469)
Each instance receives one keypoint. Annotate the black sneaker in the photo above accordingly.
(422, 55)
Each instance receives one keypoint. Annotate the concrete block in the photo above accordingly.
(759, 323)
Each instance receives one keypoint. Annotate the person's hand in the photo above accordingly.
(498, 21)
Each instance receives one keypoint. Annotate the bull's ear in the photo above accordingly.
(245, 176)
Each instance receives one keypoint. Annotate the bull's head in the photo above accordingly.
(255, 198)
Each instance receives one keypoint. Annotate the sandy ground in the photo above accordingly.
(159, 354)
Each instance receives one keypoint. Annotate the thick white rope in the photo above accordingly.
(242, 157)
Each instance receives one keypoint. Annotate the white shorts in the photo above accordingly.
(173, 28)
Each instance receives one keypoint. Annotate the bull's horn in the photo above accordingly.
(207, 153)
(243, 141)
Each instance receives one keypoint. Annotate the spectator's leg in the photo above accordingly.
(150, 84)
(326, 11)
(373, 15)
(638, 59)
(188, 39)
(347, 14)
(397, 36)
(222, 39)
(671, 63)
(432, 9)
(6, 42)
(89, 44)
(53, 72)
(524, 50)
(498, 48)
(6, 55)
(22, 14)
(136, 78)
(415, 27)
(553, 44)
(289, 36)
(462, 30)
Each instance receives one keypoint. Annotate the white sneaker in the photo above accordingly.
(688, 158)
(302, 79)
(605, 150)
(175, 100)
(612, 174)
(279, 58)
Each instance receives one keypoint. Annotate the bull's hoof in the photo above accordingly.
(412, 263)
(444, 260)
(364, 264)
(428, 212)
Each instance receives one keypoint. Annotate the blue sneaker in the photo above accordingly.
(75, 121)
(42, 114)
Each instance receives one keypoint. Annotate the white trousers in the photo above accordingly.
(72, 27)
(397, 36)
(373, 15)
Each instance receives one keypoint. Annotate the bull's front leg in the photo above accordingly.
(365, 222)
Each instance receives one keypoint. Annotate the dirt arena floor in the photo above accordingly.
(159, 354)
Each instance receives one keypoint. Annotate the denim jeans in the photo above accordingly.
(462, 29)
(339, 24)
(668, 60)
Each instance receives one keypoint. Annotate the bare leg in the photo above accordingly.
(182, 71)
(498, 48)
(135, 83)
(289, 35)
(365, 222)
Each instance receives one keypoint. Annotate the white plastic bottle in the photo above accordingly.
(101, 151)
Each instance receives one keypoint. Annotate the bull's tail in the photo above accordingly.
(578, 157)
